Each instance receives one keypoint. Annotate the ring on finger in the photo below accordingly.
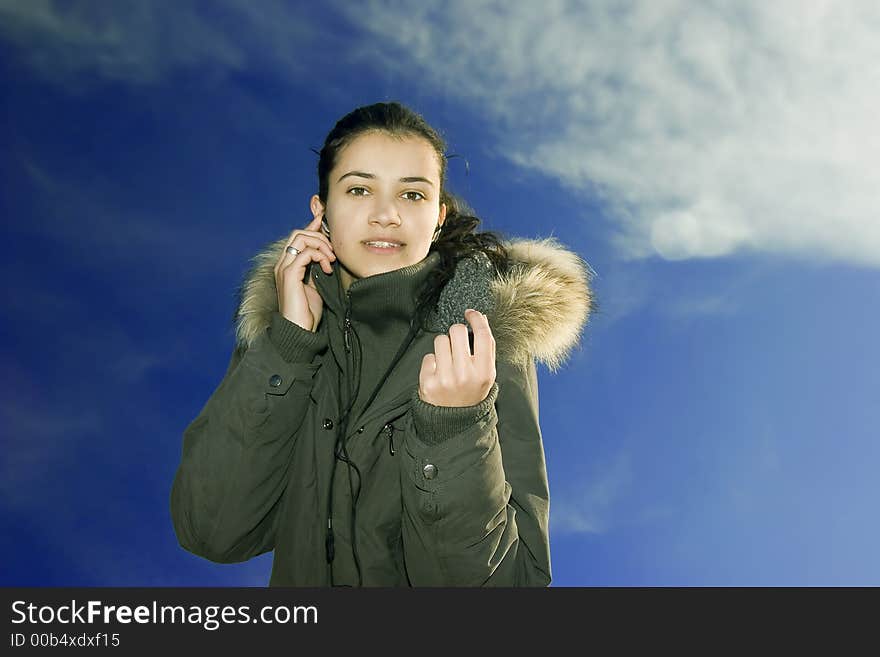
(293, 251)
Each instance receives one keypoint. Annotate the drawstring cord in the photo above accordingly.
(340, 449)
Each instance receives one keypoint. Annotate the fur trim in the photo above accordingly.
(543, 303)
(257, 296)
(537, 310)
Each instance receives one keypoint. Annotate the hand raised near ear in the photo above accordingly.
(452, 375)
(298, 299)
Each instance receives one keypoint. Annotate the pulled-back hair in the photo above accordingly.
(458, 238)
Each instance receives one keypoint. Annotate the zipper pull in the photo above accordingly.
(346, 332)
(328, 542)
(390, 429)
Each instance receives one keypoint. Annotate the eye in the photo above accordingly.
(362, 191)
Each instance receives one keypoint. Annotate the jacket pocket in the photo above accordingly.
(278, 406)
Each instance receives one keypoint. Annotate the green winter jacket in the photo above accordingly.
(444, 496)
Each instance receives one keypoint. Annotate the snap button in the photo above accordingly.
(361, 430)
(430, 471)
(328, 423)
(274, 380)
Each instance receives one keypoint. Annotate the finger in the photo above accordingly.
(304, 258)
(443, 355)
(302, 240)
(461, 353)
(429, 366)
(312, 234)
(484, 342)
(312, 228)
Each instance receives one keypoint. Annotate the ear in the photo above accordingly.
(442, 217)
(316, 206)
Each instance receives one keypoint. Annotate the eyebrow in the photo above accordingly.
(364, 174)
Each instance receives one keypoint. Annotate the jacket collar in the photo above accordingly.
(378, 300)
(537, 310)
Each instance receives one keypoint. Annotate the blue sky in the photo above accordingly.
(716, 167)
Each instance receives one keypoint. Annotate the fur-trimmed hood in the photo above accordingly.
(538, 309)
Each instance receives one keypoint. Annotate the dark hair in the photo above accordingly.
(457, 239)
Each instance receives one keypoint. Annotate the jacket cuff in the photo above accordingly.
(437, 424)
(293, 342)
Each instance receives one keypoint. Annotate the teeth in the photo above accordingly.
(383, 245)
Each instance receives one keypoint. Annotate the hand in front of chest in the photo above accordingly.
(452, 376)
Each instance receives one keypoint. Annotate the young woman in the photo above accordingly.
(378, 421)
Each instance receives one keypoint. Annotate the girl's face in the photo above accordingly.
(382, 204)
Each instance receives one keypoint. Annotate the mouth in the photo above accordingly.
(383, 246)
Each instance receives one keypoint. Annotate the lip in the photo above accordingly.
(383, 250)
(383, 238)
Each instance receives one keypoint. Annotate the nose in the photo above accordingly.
(385, 211)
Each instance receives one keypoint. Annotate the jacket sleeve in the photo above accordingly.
(480, 515)
(236, 452)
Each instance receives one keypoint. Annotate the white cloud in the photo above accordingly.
(113, 42)
(144, 43)
(707, 128)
